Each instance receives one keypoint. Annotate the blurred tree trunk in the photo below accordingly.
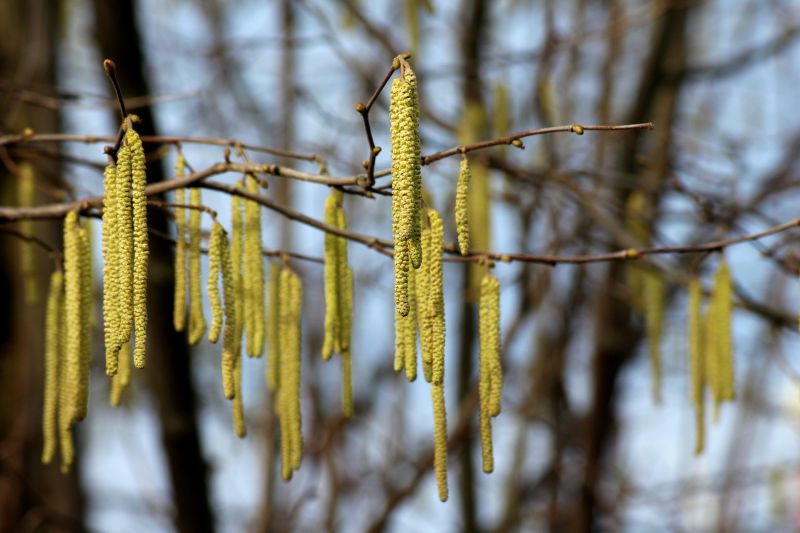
(618, 333)
(168, 364)
(32, 496)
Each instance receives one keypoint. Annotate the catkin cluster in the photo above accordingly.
(338, 278)
(126, 252)
(491, 372)
(711, 362)
(68, 350)
(406, 182)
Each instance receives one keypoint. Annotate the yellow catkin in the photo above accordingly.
(490, 373)
(710, 359)
(72, 310)
(232, 333)
(120, 381)
(289, 416)
(237, 259)
(52, 349)
(406, 180)
(347, 384)
(696, 370)
(111, 320)
(273, 327)
(472, 128)
(408, 330)
(424, 319)
(85, 255)
(723, 300)
(654, 302)
(254, 269)
(462, 218)
(179, 305)
(237, 405)
(141, 246)
(401, 268)
(440, 439)
(212, 286)
(26, 197)
(435, 301)
(332, 278)
(123, 242)
(197, 320)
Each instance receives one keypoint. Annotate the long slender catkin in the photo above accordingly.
(122, 238)
(696, 370)
(55, 297)
(111, 278)
(72, 311)
(723, 300)
(332, 278)
(435, 301)
(232, 333)
(490, 378)
(654, 303)
(406, 180)
(141, 246)
(440, 439)
(85, 268)
(121, 380)
(462, 218)
(237, 405)
(237, 260)
(254, 270)
(179, 304)
(212, 284)
(273, 328)
(197, 320)
(289, 416)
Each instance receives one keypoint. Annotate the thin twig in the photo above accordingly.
(110, 69)
(364, 112)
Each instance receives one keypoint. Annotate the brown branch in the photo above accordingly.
(573, 128)
(111, 71)
(49, 248)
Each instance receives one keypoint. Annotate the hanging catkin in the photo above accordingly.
(424, 319)
(332, 277)
(654, 303)
(52, 349)
(289, 414)
(212, 286)
(406, 180)
(197, 320)
(254, 272)
(462, 219)
(120, 381)
(111, 278)
(273, 327)
(72, 310)
(141, 247)
(122, 240)
(440, 439)
(179, 306)
(237, 260)
(490, 372)
(85, 267)
(232, 334)
(435, 300)
(237, 405)
(696, 370)
(723, 313)
(26, 197)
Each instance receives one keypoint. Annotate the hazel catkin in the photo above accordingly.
(254, 272)
(51, 363)
(122, 240)
(141, 247)
(197, 320)
(332, 278)
(696, 370)
(121, 380)
(212, 285)
(490, 378)
(232, 333)
(273, 327)
(179, 304)
(462, 218)
(440, 439)
(289, 415)
(111, 319)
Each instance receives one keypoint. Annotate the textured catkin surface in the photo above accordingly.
(51, 363)
(490, 378)
(179, 304)
(111, 320)
(461, 208)
(197, 320)
(212, 281)
(141, 246)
